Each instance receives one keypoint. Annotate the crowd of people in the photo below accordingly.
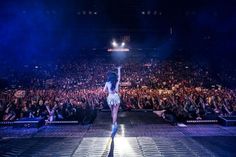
(73, 90)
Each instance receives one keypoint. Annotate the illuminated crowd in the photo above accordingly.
(73, 90)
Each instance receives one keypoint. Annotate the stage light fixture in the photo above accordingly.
(122, 44)
(114, 44)
(118, 47)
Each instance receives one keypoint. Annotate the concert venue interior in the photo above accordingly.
(177, 88)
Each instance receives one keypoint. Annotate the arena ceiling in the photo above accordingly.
(35, 27)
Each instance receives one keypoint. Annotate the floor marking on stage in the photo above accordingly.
(92, 147)
(181, 147)
(149, 147)
(100, 146)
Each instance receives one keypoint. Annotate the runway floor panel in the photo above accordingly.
(135, 137)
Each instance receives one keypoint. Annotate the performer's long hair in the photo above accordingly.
(112, 77)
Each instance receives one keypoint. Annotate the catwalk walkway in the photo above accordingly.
(139, 134)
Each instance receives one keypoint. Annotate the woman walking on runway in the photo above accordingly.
(113, 99)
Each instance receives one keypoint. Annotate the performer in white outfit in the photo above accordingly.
(113, 98)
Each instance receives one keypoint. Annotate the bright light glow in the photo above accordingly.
(114, 44)
(123, 146)
(122, 130)
(118, 50)
(122, 44)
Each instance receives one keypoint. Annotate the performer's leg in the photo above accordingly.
(111, 108)
(114, 119)
(114, 113)
(113, 125)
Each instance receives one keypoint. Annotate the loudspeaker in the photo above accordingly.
(228, 121)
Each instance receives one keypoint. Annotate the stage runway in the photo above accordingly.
(139, 134)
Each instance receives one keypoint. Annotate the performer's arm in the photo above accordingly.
(105, 87)
(119, 74)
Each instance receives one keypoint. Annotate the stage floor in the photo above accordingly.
(139, 134)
